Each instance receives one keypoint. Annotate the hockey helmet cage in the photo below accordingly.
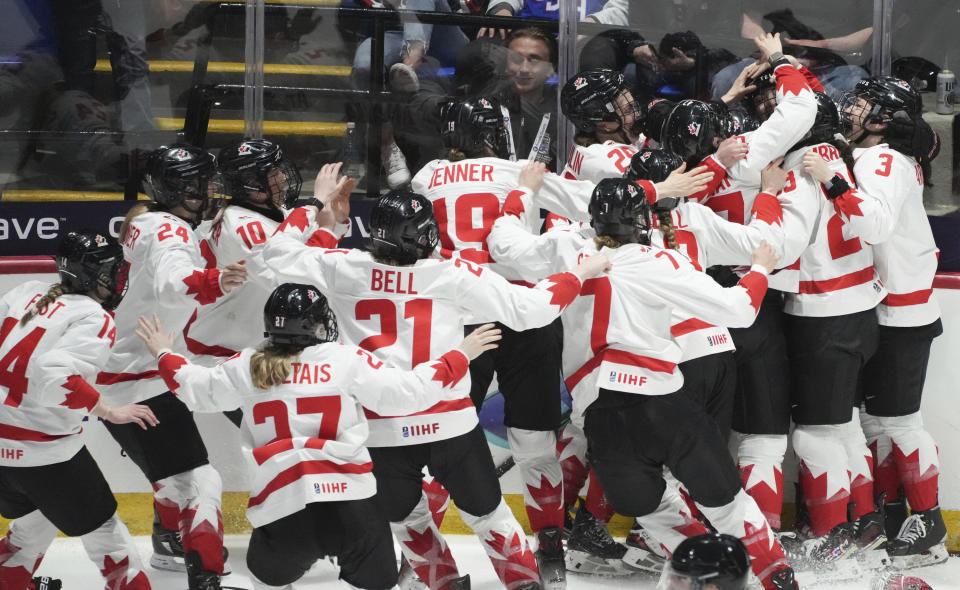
(877, 100)
(180, 172)
(259, 166)
(652, 164)
(619, 208)
(707, 561)
(590, 97)
(693, 131)
(298, 316)
(403, 228)
(89, 259)
(472, 124)
(761, 101)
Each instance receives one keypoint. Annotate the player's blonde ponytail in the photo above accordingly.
(606, 241)
(134, 212)
(271, 365)
(666, 229)
(41, 304)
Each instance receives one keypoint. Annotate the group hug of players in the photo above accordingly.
(705, 267)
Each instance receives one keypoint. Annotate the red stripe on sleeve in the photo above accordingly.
(169, 365)
(904, 299)
(766, 207)
(756, 285)
(81, 394)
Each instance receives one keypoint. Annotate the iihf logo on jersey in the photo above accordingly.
(694, 129)
(579, 83)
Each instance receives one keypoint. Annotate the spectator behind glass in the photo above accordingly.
(607, 12)
(829, 38)
(531, 61)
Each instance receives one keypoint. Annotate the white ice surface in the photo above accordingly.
(67, 560)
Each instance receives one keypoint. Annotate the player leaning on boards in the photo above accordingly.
(53, 340)
(304, 396)
(168, 276)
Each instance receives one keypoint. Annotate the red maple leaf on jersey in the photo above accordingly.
(450, 369)
(791, 81)
(691, 527)
(565, 287)
(169, 365)
(80, 393)
(546, 509)
(204, 285)
(848, 203)
(756, 285)
(297, 218)
(766, 207)
(115, 572)
(516, 564)
(438, 499)
(433, 561)
(513, 205)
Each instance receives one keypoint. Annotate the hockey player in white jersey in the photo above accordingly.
(400, 305)
(313, 494)
(53, 339)
(619, 360)
(830, 327)
(762, 403)
(467, 191)
(886, 210)
(263, 185)
(168, 274)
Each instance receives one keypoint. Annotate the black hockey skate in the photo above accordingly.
(920, 541)
(550, 561)
(408, 578)
(868, 531)
(643, 551)
(783, 579)
(461, 583)
(44, 583)
(197, 578)
(894, 514)
(168, 549)
(591, 549)
(837, 545)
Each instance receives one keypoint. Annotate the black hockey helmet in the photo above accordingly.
(471, 124)
(740, 121)
(180, 172)
(591, 97)
(655, 115)
(402, 227)
(89, 259)
(259, 166)
(619, 208)
(827, 122)
(878, 100)
(920, 73)
(652, 164)
(298, 315)
(761, 101)
(693, 131)
(708, 561)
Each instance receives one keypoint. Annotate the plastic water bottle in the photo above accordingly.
(945, 97)
(353, 165)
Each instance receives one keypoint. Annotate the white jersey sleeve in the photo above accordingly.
(598, 161)
(294, 260)
(791, 119)
(723, 242)
(885, 180)
(532, 256)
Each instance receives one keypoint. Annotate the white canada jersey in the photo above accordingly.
(598, 161)
(46, 371)
(467, 197)
(836, 273)
(304, 440)
(406, 315)
(887, 212)
(167, 277)
(791, 119)
(617, 334)
(229, 324)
